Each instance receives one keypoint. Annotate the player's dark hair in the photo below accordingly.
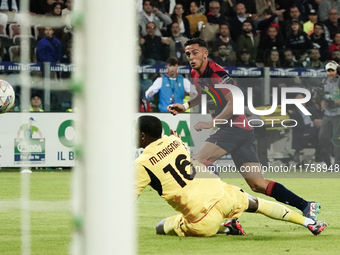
(172, 61)
(150, 125)
(196, 40)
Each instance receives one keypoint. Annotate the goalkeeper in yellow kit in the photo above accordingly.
(201, 198)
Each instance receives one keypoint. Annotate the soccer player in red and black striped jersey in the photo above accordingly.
(238, 139)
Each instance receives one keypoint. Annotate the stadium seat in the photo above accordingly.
(14, 29)
(14, 53)
(17, 39)
(2, 30)
(38, 32)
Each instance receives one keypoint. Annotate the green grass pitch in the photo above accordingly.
(51, 228)
(263, 235)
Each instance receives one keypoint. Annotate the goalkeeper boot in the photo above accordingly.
(312, 210)
(234, 227)
(317, 227)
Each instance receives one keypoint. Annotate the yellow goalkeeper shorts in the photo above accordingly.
(233, 203)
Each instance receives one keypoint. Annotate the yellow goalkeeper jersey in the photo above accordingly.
(186, 185)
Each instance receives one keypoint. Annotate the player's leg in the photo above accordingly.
(247, 162)
(170, 226)
(210, 152)
(280, 212)
(160, 227)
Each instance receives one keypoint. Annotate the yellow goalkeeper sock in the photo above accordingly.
(281, 212)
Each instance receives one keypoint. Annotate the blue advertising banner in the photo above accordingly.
(242, 71)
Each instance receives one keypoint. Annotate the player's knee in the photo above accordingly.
(258, 186)
(160, 227)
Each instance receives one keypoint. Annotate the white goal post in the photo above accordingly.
(103, 198)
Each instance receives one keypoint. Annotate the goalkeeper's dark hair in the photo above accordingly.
(150, 125)
(198, 41)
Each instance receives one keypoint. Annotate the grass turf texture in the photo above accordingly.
(51, 230)
(51, 225)
(263, 235)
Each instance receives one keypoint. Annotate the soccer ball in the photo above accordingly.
(7, 96)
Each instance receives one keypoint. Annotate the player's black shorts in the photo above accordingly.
(239, 142)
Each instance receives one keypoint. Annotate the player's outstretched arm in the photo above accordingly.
(175, 109)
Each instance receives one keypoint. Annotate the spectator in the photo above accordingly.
(49, 48)
(9, 12)
(289, 60)
(228, 8)
(67, 56)
(195, 18)
(35, 103)
(269, 19)
(65, 41)
(306, 132)
(330, 127)
(325, 6)
(319, 41)
(171, 86)
(262, 5)
(298, 41)
(56, 10)
(152, 14)
(336, 44)
(176, 43)
(224, 37)
(41, 7)
(166, 6)
(332, 23)
(294, 14)
(314, 61)
(336, 56)
(273, 59)
(311, 5)
(214, 16)
(69, 8)
(236, 23)
(223, 54)
(155, 49)
(177, 17)
(272, 41)
(308, 27)
(250, 6)
(245, 60)
(248, 40)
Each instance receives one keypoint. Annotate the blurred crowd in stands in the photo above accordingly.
(273, 33)
(47, 44)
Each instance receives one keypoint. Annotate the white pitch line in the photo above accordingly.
(37, 206)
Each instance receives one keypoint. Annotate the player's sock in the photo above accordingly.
(280, 212)
(211, 167)
(284, 195)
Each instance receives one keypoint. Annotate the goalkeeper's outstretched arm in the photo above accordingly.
(175, 109)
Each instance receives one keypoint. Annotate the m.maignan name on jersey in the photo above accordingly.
(164, 152)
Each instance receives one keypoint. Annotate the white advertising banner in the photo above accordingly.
(37, 139)
(47, 139)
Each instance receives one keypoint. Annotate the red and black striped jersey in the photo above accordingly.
(212, 75)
